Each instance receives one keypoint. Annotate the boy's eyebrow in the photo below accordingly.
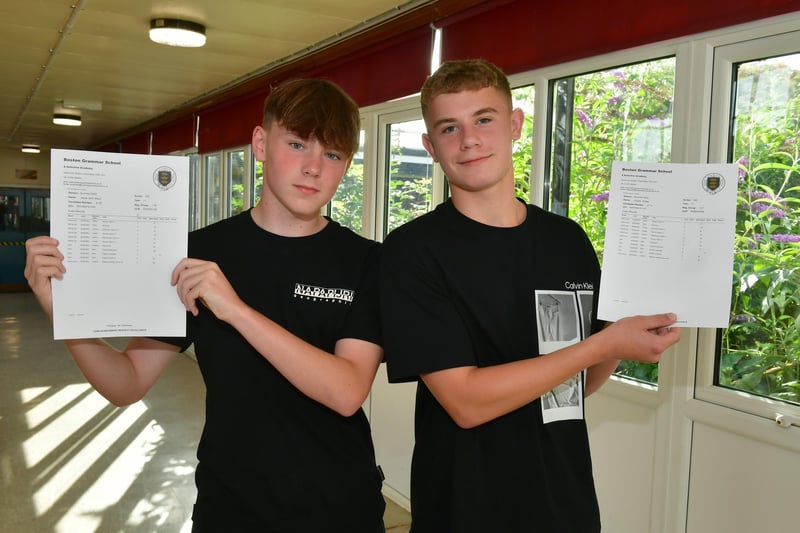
(479, 112)
(312, 137)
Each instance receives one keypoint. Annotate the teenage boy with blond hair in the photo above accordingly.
(482, 301)
(282, 307)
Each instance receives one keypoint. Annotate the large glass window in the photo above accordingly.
(760, 351)
(409, 174)
(619, 114)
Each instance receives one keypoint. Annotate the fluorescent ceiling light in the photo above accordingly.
(176, 32)
(67, 119)
(30, 149)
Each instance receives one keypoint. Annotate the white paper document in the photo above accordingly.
(122, 224)
(669, 242)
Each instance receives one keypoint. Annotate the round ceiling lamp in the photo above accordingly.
(67, 119)
(176, 32)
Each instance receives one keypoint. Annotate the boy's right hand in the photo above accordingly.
(642, 338)
(43, 261)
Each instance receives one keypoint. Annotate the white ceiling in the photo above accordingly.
(97, 52)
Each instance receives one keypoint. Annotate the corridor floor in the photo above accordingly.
(70, 462)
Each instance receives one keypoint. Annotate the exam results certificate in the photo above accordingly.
(122, 225)
(669, 242)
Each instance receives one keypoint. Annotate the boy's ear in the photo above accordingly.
(426, 142)
(259, 142)
(517, 121)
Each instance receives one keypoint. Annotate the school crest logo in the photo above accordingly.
(164, 178)
(713, 183)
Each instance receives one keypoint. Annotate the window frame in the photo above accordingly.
(725, 55)
(379, 118)
(205, 211)
(686, 371)
(248, 177)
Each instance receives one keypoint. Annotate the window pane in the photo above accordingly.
(40, 208)
(258, 181)
(194, 191)
(39, 219)
(235, 173)
(347, 205)
(410, 174)
(620, 114)
(524, 98)
(760, 351)
(213, 189)
(9, 212)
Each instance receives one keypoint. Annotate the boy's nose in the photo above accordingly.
(312, 166)
(469, 138)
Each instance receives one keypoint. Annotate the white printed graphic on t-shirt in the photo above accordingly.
(562, 319)
(312, 292)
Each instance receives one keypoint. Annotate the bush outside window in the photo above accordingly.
(760, 350)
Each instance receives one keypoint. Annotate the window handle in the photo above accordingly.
(787, 421)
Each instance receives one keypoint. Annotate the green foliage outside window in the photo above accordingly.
(236, 181)
(347, 204)
(760, 350)
(524, 98)
(410, 188)
(237, 198)
(259, 181)
(411, 197)
(623, 114)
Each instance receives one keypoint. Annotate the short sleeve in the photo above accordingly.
(423, 331)
(363, 320)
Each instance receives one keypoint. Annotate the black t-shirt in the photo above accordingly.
(454, 293)
(270, 456)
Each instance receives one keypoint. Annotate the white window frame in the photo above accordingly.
(740, 407)
(224, 186)
(204, 189)
(247, 177)
(376, 119)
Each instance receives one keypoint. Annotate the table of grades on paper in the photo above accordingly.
(651, 237)
(107, 238)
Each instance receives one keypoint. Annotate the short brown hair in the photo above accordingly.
(463, 75)
(315, 108)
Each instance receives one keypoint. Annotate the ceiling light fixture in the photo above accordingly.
(176, 32)
(84, 105)
(30, 149)
(67, 119)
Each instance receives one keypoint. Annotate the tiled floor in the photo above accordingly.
(70, 462)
